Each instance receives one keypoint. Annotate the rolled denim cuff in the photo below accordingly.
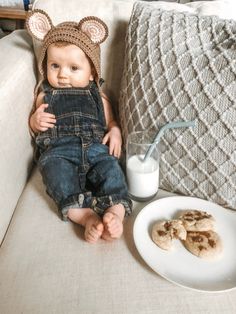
(82, 200)
(102, 203)
(98, 204)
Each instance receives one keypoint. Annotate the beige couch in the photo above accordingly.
(45, 264)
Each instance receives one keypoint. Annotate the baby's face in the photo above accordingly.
(68, 66)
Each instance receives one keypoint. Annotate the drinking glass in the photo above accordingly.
(142, 176)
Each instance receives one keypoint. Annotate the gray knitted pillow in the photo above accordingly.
(181, 66)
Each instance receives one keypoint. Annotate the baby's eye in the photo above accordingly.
(54, 65)
(74, 68)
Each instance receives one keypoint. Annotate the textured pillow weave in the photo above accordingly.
(181, 66)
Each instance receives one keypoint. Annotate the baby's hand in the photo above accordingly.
(113, 137)
(41, 121)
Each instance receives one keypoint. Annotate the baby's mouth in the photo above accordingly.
(61, 84)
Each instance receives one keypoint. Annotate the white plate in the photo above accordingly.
(179, 265)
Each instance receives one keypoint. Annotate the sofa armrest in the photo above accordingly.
(17, 81)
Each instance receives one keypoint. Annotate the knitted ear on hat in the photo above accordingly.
(38, 24)
(94, 28)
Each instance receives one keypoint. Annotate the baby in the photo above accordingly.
(78, 139)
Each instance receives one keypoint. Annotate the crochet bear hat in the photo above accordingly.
(88, 34)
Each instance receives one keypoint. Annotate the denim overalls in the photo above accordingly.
(76, 168)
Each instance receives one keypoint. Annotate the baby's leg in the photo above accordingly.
(113, 222)
(87, 218)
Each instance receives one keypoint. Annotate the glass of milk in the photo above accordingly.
(142, 176)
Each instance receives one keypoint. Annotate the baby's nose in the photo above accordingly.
(62, 72)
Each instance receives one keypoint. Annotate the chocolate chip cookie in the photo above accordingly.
(197, 220)
(204, 244)
(164, 232)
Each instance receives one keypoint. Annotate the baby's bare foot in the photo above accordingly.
(113, 224)
(93, 229)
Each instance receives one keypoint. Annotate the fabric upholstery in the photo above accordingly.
(16, 98)
(181, 66)
(47, 267)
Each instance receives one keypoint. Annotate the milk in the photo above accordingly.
(142, 177)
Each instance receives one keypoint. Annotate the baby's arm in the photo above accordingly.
(41, 121)
(113, 136)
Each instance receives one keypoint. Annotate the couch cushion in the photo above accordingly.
(16, 98)
(47, 267)
(181, 66)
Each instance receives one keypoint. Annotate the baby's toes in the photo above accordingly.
(93, 232)
(107, 218)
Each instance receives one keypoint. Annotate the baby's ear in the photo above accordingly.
(38, 24)
(94, 28)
